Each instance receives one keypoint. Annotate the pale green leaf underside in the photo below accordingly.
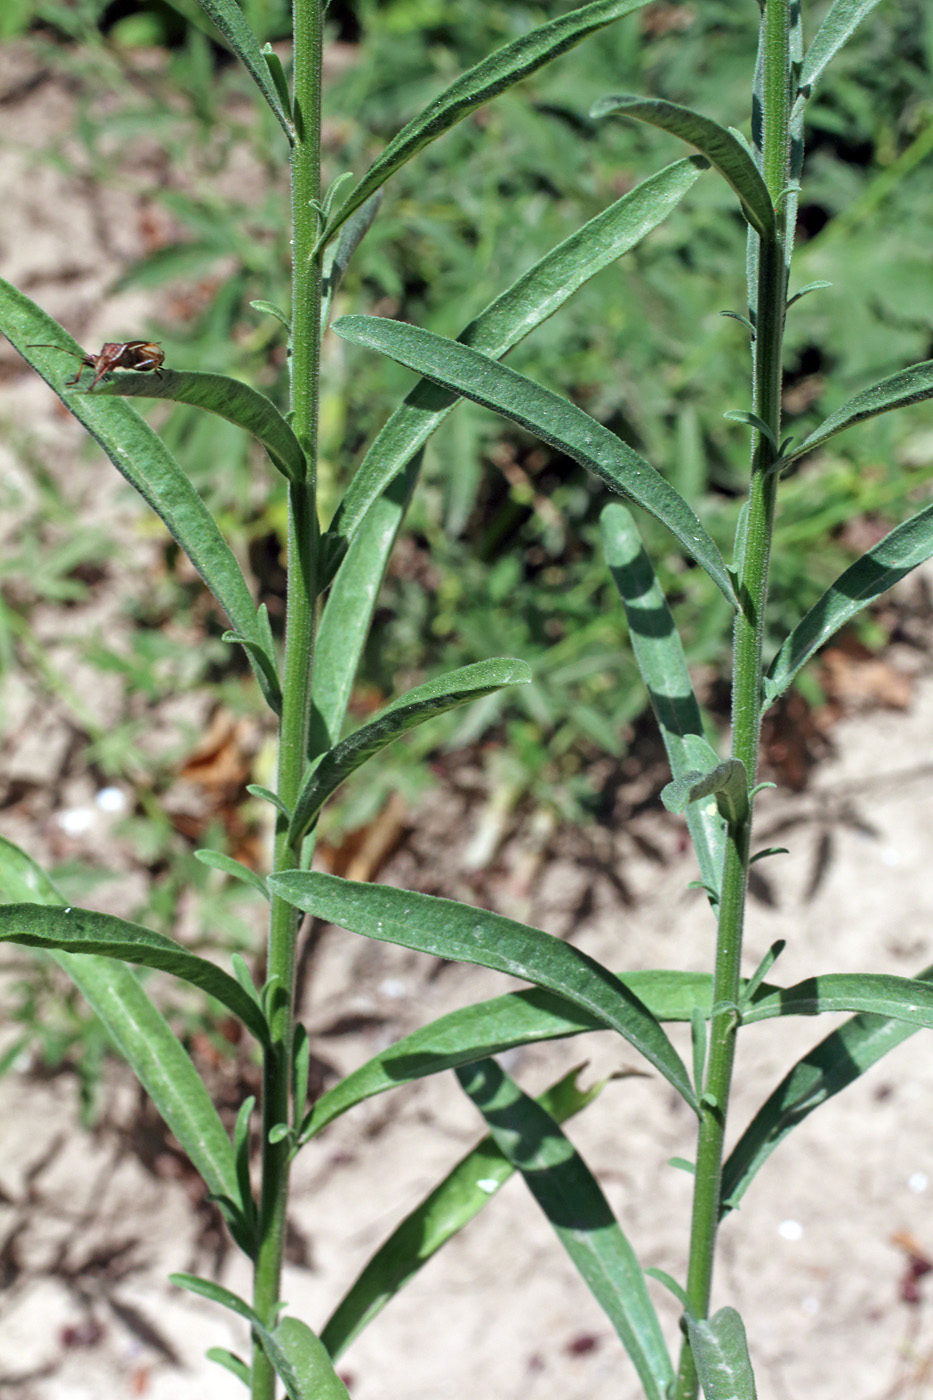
(486, 80)
(302, 1362)
(423, 703)
(720, 1350)
(452, 1204)
(713, 141)
(228, 398)
(86, 931)
(534, 297)
(447, 929)
(884, 565)
(231, 22)
(574, 1204)
(839, 24)
(553, 419)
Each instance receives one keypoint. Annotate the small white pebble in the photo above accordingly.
(917, 1182)
(488, 1184)
(393, 987)
(77, 821)
(790, 1230)
(810, 1305)
(111, 799)
(890, 856)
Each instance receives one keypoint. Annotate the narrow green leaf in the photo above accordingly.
(903, 998)
(909, 386)
(216, 1293)
(752, 420)
(141, 1034)
(452, 1204)
(230, 1362)
(663, 666)
(840, 23)
(489, 1027)
(669, 1283)
(535, 296)
(231, 22)
(727, 783)
(302, 1362)
(423, 703)
(267, 795)
(475, 376)
(447, 929)
(493, 75)
(86, 931)
(719, 146)
(573, 1202)
(228, 398)
(262, 657)
(277, 74)
(833, 1064)
(720, 1350)
(271, 310)
(885, 564)
(235, 868)
(337, 257)
(139, 455)
(805, 291)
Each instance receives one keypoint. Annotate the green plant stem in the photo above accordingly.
(299, 655)
(746, 687)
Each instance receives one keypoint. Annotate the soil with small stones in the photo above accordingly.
(825, 1259)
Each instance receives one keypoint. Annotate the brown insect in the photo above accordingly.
(116, 354)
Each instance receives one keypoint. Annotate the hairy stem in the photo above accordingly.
(299, 652)
(746, 681)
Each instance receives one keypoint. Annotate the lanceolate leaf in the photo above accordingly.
(713, 141)
(141, 1034)
(423, 703)
(452, 1204)
(908, 386)
(493, 75)
(904, 998)
(554, 420)
(301, 1361)
(86, 931)
(536, 295)
(139, 455)
(231, 22)
(663, 668)
(489, 1027)
(829, 1067)
(720, 1350)
(884, 565)
(228, 398)
(447, 929)
(579, 1213)
(840, 23)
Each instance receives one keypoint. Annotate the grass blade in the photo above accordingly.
(423, 703)
(884, 565)
(489, 1027)
(840, 24)
(451, 1206)
(908, 386)
(832, 1065)
(231, 22)
(141, 1034)
(528, 303)
(486, 80)
(720, 1350)
(719, 146)
(663, 666)
(475, 376)
(571, 1198)
(85, 931)
(228, 398)
(447, 929)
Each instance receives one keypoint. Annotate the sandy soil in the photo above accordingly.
(818, 1259)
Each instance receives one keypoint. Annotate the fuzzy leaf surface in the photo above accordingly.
(534, 297)
(301, 1361)
(228, 398)
(839, 24)
(551, 418)
(884, 565)
(232, 23)
(719, 146)
(500, 70)
(908, 386)
(574, 1204)
(720, 1350)
(448, 929)
(86, 931)
(423, 703)
(452, 1204)
(836, 1062)
(140, 1033)
(490, 1027)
